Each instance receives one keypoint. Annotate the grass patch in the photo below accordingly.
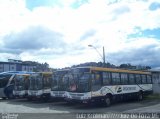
(153, 96)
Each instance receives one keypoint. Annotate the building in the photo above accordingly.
(156, 80)
(16, 65)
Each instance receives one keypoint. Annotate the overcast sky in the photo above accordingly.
(59, 31)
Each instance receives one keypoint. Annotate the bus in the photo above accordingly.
(106, 85)
(7, 84)
(21, 85)
(59, 84)
(40, 85)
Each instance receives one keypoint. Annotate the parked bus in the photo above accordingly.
(21, 85)
(59, 83)
(95, 84)
(40, 85)
(7, 83)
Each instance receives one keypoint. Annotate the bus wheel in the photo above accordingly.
(107, 101)
(140, 96)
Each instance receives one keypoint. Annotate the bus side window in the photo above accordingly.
(131, 79)
(124, 78)
(138, 79)
(96, 82)
(144, 81)
(149, 79)
(106, 78)
(116, 79)
(97, 79)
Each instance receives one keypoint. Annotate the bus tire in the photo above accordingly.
(140, 96)
(107, 100)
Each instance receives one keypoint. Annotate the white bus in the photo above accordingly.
(21, 85)
(59, 83)
(40, 85)
(7, 83)
(95, 84)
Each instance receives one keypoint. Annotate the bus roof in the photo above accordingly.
(61, 70)
(23, 74)
(44, 73)
(115, 70)
(16, 72)
(119, 70)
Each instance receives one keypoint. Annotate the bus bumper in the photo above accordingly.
(86, 101)
(92, 100)
(45, 96)
(20, 96)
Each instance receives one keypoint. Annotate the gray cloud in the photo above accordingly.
(148, 55)
(121, 10)
(88, 34)
(33, 38)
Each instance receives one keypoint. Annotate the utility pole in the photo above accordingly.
(102, 56)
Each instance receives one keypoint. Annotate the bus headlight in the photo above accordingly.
(53, 94)
(14, 92)
(68, 96)
(63, 95)
(39, 92)
(29, 93)
(86, 96)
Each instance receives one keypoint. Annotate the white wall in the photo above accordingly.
(12, 67)
(6, 67)
(27, 68)
(1, 67)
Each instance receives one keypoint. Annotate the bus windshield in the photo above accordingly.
(83, 82)
(79, 80)
(4, 78)
(59, 81)
(46, 80)
(35, 81)
(21, 82)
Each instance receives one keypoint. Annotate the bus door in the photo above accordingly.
(96, 82)
(47, 79)
(26, 82)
